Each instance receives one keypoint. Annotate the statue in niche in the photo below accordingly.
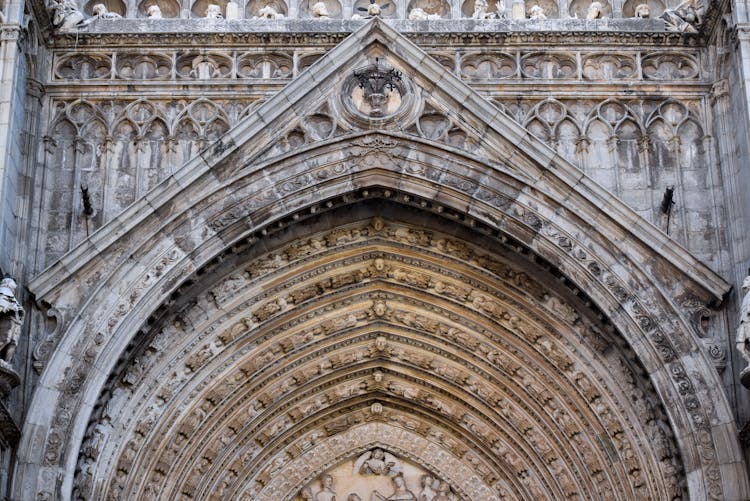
(11, 318)
(65, 14)
(213, 11)
(537, 12)
(743, 331)
(643, 11)
(481, 10)
(501, 10)
(327, 493)
(595, 11)
(320, 11)
(100, 12)
(269, 12)
(400, 491)
(377, 462)
(306, 494)
(419, 14)
(154, 12)
(685, 18)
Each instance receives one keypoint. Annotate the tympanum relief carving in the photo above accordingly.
(378, 475)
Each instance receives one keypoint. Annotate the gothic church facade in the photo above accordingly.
(434, 250)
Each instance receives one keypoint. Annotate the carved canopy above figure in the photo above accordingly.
(430, 280)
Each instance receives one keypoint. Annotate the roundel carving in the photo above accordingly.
(377, 95)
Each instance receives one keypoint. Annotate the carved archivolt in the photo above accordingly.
(393, 318)
(372, 327)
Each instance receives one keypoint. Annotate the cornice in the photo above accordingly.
(300, 33)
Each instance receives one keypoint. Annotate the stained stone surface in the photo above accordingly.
(379, 258)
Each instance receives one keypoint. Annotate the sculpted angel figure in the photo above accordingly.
(377, 462)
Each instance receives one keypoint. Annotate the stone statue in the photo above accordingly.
(306, 494)
(377, 462)
(501, 10)
(65, 14)
(419, 14)
(154, 12)
(595, 11)
(444, 492)
(213, 11)
(686, 17)
(743, 331)
(11, 317)
(481, 10)
(373, 9)
(100, 12)
(327, 493)
(400, 492)
(320, 11)
(537, 12)
(428, 488)
(232, 10)
(269, 12)
(643, 11)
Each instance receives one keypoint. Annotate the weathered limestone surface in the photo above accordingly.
(293, 258)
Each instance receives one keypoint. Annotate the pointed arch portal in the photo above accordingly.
(431, 282)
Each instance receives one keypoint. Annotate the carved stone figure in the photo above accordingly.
(327, 493)
(377, 462)
(154, 12)
(643, 11)
(306, 494)
(100, 12)
(65, 14)
(687, 17)
(743, 331)
(444, 492)
(537, 12)
(320, 11)
(233, 11)
(481, 10)
(419, 14)
(400, 491)
(213, 11)
(268, 12)
(595, 11)
(11, 317)
(501, 10)
(428, 488)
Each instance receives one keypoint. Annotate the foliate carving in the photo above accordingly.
(670, 67)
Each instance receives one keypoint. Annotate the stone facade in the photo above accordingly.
(445, 252)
